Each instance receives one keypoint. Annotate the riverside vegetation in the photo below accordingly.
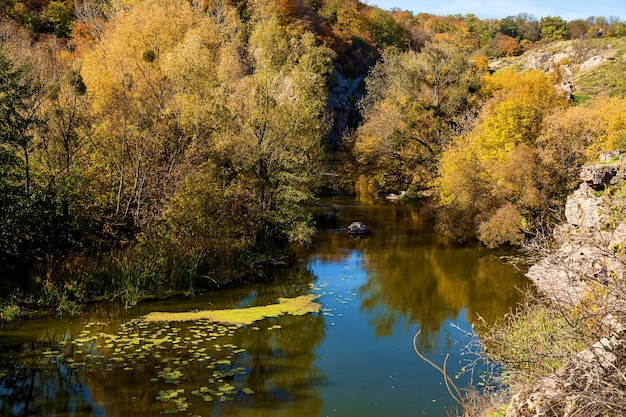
(151, 147)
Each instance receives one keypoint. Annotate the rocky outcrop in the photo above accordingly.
(343, 93)
(590, 245)
(570, 391)
(577, 57)
(594, 232)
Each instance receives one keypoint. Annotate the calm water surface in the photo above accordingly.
(354, 358)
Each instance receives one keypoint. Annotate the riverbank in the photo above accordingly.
(576, 357)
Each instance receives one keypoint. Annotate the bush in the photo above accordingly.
(10, 312)
(503, 227)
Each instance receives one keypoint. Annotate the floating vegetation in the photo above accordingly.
(295, 306)
(169, 357)
(171, 396)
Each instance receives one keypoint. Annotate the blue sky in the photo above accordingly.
(568, 10)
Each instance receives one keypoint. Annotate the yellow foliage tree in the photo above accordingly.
(496, 171)
(609, 115)
(136, 140)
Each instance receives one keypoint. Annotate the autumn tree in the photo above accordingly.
(493, 177)
(137, 139)
(412, 108)
(278, 125)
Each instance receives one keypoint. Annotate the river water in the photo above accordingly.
(353, 358)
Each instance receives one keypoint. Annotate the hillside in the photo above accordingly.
(584, 68)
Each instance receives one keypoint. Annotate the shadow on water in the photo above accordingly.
(353, 358)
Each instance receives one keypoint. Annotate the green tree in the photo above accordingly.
(413, 106)
(508, 27)
(553, 28)
(18, 116)
(59, 15)
(386, 31)
(32, 226)
(275, 140)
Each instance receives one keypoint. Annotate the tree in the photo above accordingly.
(411, 110)
(137, 138)
(63, 141)
(18, 116)
(386, 31)
(31, 225)
(494, 176)
(577, 29)
(553, 28)
(507, 46)
(274, 144)
(508, 27)
(59, 15)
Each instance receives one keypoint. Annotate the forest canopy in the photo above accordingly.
(146, 143)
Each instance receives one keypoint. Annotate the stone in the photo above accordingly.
(358, 228)
(606, 157)
(598, 176)
(593, 62)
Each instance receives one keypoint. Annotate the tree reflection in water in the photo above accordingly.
(276, 359)
(353, 358)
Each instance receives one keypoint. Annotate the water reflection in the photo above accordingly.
(413, 277)
(107, 364)
(353, 358)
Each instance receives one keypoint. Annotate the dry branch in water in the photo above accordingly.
(454, 391)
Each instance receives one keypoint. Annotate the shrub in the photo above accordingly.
(503, 227)
(10, 312)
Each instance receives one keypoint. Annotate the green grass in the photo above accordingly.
(606, 80)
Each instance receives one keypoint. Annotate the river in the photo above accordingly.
(353, 358)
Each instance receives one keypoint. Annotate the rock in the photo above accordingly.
(268, 263)
(570, 390)
(598, 176)
(496, 65)
(606, 157)
(591, 244)
(539, 61)
(583, 209)
(358, 228)
(567, 88)
(342, 96)
(593, 62)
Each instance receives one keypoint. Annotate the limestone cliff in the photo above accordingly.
(592, 239)
(589, 257)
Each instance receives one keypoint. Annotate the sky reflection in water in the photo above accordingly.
(355, 358)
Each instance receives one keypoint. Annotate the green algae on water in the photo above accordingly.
(297, 306)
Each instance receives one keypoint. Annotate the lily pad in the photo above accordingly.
(226, 388)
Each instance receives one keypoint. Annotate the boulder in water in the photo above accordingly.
(358, 228)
